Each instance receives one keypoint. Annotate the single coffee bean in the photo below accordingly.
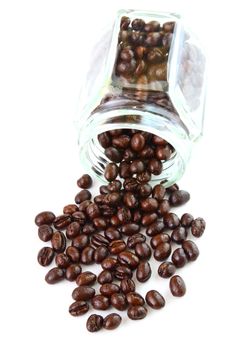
(148, 219)
(162, 251)
(54, 275)
(73, 230)
(171, 220)
(124, 215)
(158, 239)
(122, 271)
(114, 186)
(82, 196)
(111, 171)
(112, 199)
(143, 251)
(179, 197)
(108, 289)
(109, 263)
(127, 285)
(78, 308)
(116, 247)
(155, 228)
(137, 142)
(166, 269)
(191, 250)
(85, 181)
(113, 154)
(100, 254)
(177, 286)
(152, 26)
(135, 299)
(179, 257)
(130, 200)
(136, 216)
(99, 199)
(79, 217)
(105, 277)
(137, 312)
(178, 235)
(166, 40)
(121, 141)
(129, 155)
(144, 190)
(158, 141)
(144, 177)
(138, 24)
(100, 302)
(126, 55)
(62, 260)
(155, 166)
(112, 321)
(86, 279)
(73, 253)
(83, 293)
(155, 300)
(87, 255)
(149, 205)
(98, 239)
(45, 233)
(172, 188)
(62, 221)
(80, 242)
(58, 242)
(104, 139)
(163, 152)
(83, 205)
(94, 323)
(45, 256)
(100, 223)
(135, 239)
(88, 229)
(112, 234)
(197, 227)
(44, 218)
(143, 272)
(118, 301)
(104, 189)
(158, 192)
(130, 184)
(186, 220)
(92, 211)
(129, 259)
(137, 166)
(130, 229)
(164, 207)
(168, 27)
(153, 39)
(72, 272)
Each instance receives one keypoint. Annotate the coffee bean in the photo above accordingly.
(155, 228)
(92, 211)
(112, 321)
(166, 269)
(158, 239)
(122, 271)
(172, 188)
(143, 251)
(137, 312)
(73, 253)
(136, 217)
(88, 229)
(130, 184)
(166, 40)
(73, 230)
(79, 217)
(168, 27)
(111, 171)
(126, 55)
(82, 196)
(112, 234)
(87, 255)
(78, 308)
(105, 277)
(186, 220)
(122, 141)
(143, 272)
(138, 24)
(62, 221)
(62, 260)
(109, 263)
(137, 37)
(179, 234)
(54, 275)
(124, 23)
(135, 299)
(86, 279)
(58, 242)
(72, 272)
(116, 247)
(100, 302)
(163, 152)
(127, 285)
(108, 289)
(144, 190)
(114, 186)
(153, 39)
(137, 167)
(124, 215)
(85, 181)
(45, 233)
(80, 242)
(129, 259)
(191, 250)
(129, 155)
(155, 300)
(177, 286)
(83, 293)
(158, 192)
(171, 220)
(162, 251)
(130, 229)
(135, 239)
(197, 227)
(113, 154)
(179, 257)
(45, 256)
(148, 219)
(116, 132)
(98, 239)
(149, 205)
(155, 166)
(179, 197)
(94, 323)
(164, 207)
(152, 26)
(104, 139)
(146, 153)
(130, 200)
(100, 254)
(44, 218)
(137, 142)
(158, 141)
(124, 170)
(83, 205)
(100, 223)
(118, 301)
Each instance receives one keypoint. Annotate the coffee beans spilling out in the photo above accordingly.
(123, 227)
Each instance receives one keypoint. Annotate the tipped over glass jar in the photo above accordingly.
(148, 74)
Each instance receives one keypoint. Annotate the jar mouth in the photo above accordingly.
(144, 117)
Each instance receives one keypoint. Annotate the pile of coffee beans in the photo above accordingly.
(120, 229)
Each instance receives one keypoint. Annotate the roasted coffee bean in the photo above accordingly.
(164, 207)
(87, 255)
(114, 186)
(121, 141)
(197, 227)
(137, 312)
(158, 239)
(191, 250)
(83, 293)
(155, 300)
(107, 211)
(45, 233)
(135, 299)
(80, 242)
(114, 221)
(62, 260)
(82, 196)
(155, 228)
(149, 205)
(166, 40)
(179, 197)
(148, 219)
(118, 301)
(88, 229)
(130, 185)
(122, 271)
(124, 170)
(129, 155)
(186, 220)
(152, 26)
(112, 199)
(112, 234)
(108, 289)
(105, 277)
(144, 177)
(58, 242)
(104, 139)
(130, 229)
(129, 259)
(137, 37)
(124, 215)
(155, 166)
(163, 152)
(73, 253)
(79, 217)
(62, 221)
(179, 234)
(113, 154)
(146, 153)
(171, 220)
(138, 24)
(133, 240)
(84, 205)
(137, 167)
(109, 263)
(158, 192)
(143, 251)
(124, 23)
(45, 256)
(158, 141)
(137, 142)
(85, 181)
(111, 171)
(179, 257)
(143, 272)
(100, 254)
(127, 285)
(44, 218)
(73, 230)
(125, 68)
(166, 269)
(172, 188)
(177, 286)
(99, 199)
(92, 211)
(72, 272)
(78, 308)
(130, 200)
(100, 302)
(136, 216)
(116, 132)
(112, 321)
(168, 27)
(144, 190)
(162, 251)
(116, 247)
(98, 239)
(94, 323)
(153, 39)
(100, 223)
(126, 55)
(54, 275)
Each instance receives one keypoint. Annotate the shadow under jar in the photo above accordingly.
(147, 73)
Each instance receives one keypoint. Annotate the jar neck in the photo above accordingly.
(130, 114)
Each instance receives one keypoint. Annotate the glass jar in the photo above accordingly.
(147, 73)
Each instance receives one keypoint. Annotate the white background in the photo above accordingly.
(42, 49)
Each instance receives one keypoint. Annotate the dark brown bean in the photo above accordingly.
(143, 272)
(155, 228)
(94, 323)
(155, 166)
(121, 141)
(73, 230)
(144, 177)
(127, 285)
(112, 321)
(171, 220)
(86, 278)
(198, 227)
(73, 253)
(122, 271)
(129, 259)
(148, 219)
(144, 190)
(87, 255)
(136, 216)
(62, 260)
(105, 277)
(104, 139)
(58, 242)
(112, 234)
(163, 152)
(113, 154)
(92, 211)
(130, 200)
(80, 242)
(172, 188)
(54, 275)
(143, 251)
(191, 250)
(168, 27)
(166, 269)
(164, 207)
(72, 272)
(100, 302)
(152, 26)
(78, 308)
(179, 257)
(84, 205)
(130, 229)
(124, 215)
(111, 171)
(118, 301)
(45, 233)
(126, 55)
(158, 239)
(116, 247)
(85, 181)
(82, 196)
(100, 223)
(138, 24)
(98, 239)
(129, 155)
(137, 166)
(88, 229)
(135, 239)
(44, 218)
(83, 293)
(108, 289)
(155, 300)
(177, 286)
(137, 312)
(135, 299)
(114, 186)
(62, 221)
(179, 234)
(130, 184)
(79, 217)
(124, 170)
(45, 256)
(109, 263)
(158, 192)
(162, 251)
(149, 205)
(100, 254)
(179, 197)
(186, 220)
